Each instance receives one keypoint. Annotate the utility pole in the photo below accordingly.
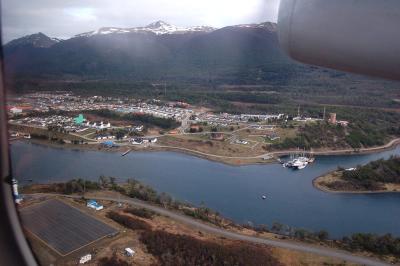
(165, 89)
(119, 198)
(84, 188)
(324, 113)
(298, 111)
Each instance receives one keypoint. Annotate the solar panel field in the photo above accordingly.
(63, 227)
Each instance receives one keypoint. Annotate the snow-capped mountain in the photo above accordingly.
(266, 25)
(155, 51)
(158, 28)
(37, 40)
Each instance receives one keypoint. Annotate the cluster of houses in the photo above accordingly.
(162, 111)
(69, 124)
(177, 110)
(225, 119)
(65, 101)
(77, 124)
(100, 125)
(82, 121)
(105, 137)
(39, 101)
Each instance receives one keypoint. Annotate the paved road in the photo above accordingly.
(204, 153)
(322, 251)
(185, 123)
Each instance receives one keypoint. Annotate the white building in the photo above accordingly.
(102, 125)
(137, 141)
(138, 128)
(85, 259)
(94, 205)
(129, 252)
(15, 110)
(244, 142)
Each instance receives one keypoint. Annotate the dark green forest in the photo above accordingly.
(384, 171)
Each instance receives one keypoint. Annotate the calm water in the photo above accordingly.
(233, 191)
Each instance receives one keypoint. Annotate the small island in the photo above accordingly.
(375, 177)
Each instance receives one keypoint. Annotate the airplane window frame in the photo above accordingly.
(13, 244)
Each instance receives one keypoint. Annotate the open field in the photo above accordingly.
(203, 143)
(62, 227)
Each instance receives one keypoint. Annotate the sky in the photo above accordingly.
(64, 19)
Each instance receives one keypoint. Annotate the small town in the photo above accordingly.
(117, 122)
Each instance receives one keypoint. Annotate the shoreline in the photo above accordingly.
(122, 149)
(228, 160)
(267, 157)
(316, 184)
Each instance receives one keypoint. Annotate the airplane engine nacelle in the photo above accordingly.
(360, 36)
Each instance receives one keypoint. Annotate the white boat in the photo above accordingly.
(264, 197)
(297, 163)
(300, 163)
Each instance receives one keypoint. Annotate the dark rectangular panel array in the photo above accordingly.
(63, 227)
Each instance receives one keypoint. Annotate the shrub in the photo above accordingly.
(127, 221)
(113, 261)
(381, 245)
(171, 249)
(144, 213)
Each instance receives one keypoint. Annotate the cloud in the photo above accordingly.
(81, 13)
(64, 19)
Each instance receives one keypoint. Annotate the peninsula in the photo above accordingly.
(375, 177)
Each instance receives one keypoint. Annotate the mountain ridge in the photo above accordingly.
(234, 54)
(159, 28)
(38, 40)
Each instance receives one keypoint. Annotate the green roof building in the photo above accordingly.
(79, 119)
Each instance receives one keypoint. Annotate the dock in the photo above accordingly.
(125, 153)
